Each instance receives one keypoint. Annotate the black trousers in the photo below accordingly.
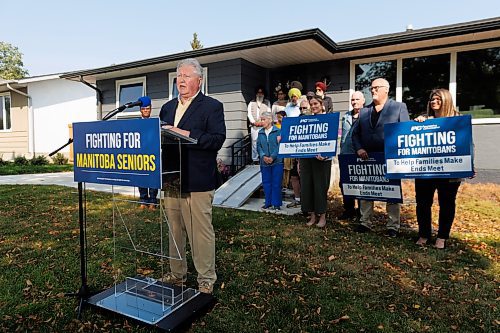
(447, 193)
(314, 183)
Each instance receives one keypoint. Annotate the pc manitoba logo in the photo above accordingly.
(424, 127)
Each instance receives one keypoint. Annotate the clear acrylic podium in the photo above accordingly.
(142, 250)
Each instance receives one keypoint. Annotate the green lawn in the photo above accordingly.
(14, 169)
(275, 274)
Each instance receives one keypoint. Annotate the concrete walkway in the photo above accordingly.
(62, 179)
(66, 179)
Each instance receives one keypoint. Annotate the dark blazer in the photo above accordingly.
(370, 137)
(204, 118)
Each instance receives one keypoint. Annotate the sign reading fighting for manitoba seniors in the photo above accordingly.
(435, 148)
(118, 152)
(308, 136)
(366, 179)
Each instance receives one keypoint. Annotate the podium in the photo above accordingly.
(141, 247)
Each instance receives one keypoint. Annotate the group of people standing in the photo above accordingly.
(200, 117)
(362, 134)
(310, 178)
(368, 136)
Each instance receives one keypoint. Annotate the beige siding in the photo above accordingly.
(15, 142)
(235, 113)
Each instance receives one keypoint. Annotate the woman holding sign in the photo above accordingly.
(315, 178)
(440, 105)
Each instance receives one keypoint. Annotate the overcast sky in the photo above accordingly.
(58, 36)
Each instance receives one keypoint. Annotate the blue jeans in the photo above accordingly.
(272, 176)
(148, 195)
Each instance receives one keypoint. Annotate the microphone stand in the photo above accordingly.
(115, 111)
(84, 292)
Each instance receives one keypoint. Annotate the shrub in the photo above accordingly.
(21, 160)
(2, 162)
(39, 160)
(59, 159)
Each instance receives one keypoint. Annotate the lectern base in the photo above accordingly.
(153, 303)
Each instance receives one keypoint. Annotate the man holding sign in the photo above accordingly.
(368, 137)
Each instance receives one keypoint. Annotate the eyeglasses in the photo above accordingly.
(303, 107)
(376, 88)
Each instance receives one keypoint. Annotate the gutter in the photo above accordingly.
(99, 96)
(31, 119)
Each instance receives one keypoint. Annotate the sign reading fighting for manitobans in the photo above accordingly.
(435, 148)
(309, 136)
(366, 179)
(118, 152)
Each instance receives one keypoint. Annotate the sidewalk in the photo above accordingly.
(63, 179)
(66, 179)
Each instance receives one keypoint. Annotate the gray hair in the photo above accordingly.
(193, 63)
(266, 114)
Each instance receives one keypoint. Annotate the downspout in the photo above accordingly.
(31, 120)
(99, 97)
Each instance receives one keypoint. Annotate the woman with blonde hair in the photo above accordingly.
(440, 105)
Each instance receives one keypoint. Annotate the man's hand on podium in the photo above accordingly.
(177, 130)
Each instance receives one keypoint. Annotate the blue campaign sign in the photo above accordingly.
(118, 152)
(366, 179)
(308, 136)
(435, 148)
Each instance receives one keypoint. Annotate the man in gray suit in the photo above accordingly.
(368, 137)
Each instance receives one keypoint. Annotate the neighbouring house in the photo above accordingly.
(462, 57)
(35, 114)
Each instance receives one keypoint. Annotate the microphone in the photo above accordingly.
(141, 102)
(132, 104)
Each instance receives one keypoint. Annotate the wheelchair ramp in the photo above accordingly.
(236, 191)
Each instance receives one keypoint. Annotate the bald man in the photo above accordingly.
(348, 120)
(368, 137)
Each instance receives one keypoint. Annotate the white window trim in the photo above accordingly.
(10, 129)
(118, 84)
(173, 75)
(452, 51)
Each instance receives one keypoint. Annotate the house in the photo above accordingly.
(35, 114)
(462, 57)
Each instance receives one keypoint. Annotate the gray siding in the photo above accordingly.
(251, 77)
(486, 152)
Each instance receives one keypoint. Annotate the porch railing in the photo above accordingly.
(241, 154)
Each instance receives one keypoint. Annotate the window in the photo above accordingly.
(420, 76)
(130, 90)
(172, 84)
(366, 73)
(478, 83)
(5, 122)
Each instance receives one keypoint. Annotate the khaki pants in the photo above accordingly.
(191, 216)
(393, 211)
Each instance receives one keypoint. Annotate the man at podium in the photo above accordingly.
(199, 117)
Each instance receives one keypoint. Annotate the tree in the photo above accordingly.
(11, 62)
(196, 43)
